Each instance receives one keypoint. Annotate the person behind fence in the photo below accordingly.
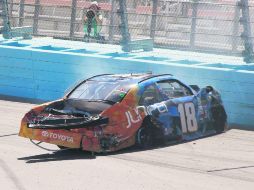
(93, 21)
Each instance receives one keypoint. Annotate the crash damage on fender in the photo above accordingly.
(111, 112)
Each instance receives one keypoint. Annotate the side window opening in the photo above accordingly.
(150, 96)
(173, 89)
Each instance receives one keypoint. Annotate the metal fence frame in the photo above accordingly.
(20, 16)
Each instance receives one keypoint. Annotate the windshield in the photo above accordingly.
(113, 91)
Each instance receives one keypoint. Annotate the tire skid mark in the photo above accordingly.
(199, 155)
(156, 163)
(11, 175)
(13, 134)
(225, 169)
(182, 168)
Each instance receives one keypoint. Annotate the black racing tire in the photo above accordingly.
(143, 137)
(220, 118)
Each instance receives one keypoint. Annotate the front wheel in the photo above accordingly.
(143, 138)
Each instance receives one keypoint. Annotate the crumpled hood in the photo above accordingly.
(68, 114)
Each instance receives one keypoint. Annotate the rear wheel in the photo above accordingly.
(220, 118)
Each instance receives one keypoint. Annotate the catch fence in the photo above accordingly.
(212, 25)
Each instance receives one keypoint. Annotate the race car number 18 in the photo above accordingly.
(188, 117)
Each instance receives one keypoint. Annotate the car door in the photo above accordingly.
(179, 111)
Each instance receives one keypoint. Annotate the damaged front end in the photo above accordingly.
(56, 119)
(63, 122)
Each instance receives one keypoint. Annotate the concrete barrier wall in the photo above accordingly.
(46, 74)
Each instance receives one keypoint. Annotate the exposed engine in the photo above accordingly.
(69, 114)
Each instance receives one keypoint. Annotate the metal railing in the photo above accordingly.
(212, 25)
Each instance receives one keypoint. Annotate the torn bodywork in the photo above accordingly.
(64, 115)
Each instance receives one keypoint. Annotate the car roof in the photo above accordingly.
(134, 77)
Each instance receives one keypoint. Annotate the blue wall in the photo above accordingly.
(45, 73)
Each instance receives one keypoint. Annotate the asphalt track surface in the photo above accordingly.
(224, 161)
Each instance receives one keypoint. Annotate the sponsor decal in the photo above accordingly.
(57, 136)
(132, 120)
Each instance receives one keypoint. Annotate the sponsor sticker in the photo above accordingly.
(57, 136)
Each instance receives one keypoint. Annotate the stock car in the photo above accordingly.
(110, 112)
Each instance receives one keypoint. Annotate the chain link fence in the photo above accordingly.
(211, 25)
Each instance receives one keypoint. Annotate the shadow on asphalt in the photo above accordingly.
(70, 154)
(77, 154)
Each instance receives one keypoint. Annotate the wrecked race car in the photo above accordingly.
(111, 112)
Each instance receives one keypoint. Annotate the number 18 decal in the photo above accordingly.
(188, 117)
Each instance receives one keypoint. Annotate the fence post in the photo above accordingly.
(235, 27)
(73, 17)
(246, 35)
(126, 38)
(153, 20)
(6, 22)
(37, 9)
(112, 20)
(11, 8)
(193, 23)
(21, 12)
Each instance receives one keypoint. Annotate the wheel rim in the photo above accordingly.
(143, 138)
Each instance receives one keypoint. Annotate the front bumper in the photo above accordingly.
(59, 137)
(88, 140)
